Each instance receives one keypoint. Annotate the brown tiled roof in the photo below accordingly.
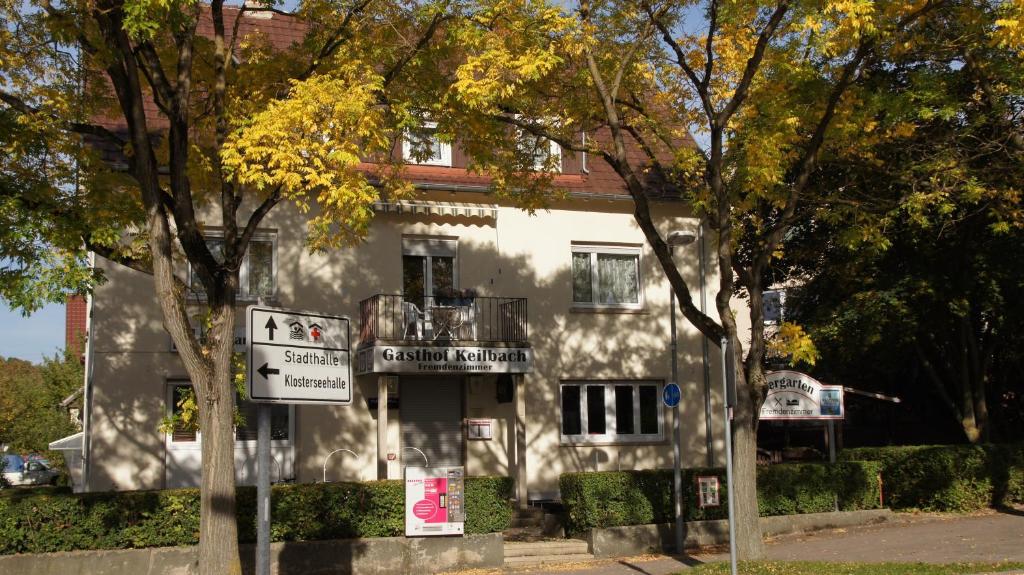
(282, 30)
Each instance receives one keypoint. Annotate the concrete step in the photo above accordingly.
(542, 559)
(530, 512)
(546, 548)
(528, 521)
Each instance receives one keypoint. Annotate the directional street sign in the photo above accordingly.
(671, 395)
(298, 357)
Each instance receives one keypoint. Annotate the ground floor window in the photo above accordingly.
(611, 411)
(184, 431)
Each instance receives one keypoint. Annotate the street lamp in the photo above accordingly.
(677, 238)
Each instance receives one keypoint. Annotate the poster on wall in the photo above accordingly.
(795, 395)
(434, 501)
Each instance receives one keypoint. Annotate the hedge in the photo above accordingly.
(45, 521)
(612, 498)
(948, 477)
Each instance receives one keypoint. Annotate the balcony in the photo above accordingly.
(488, 321)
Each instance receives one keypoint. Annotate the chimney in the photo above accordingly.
(75, 311)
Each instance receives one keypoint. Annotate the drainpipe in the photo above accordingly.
(704, 349)
(87, 386)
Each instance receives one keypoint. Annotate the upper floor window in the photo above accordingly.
(611, 412)
(257, 276)
(423, 146)
(606, 277)
(428, 267)
(546, 154)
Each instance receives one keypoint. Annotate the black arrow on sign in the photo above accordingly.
(271, 326)
(265, 371)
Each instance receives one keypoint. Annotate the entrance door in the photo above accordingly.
(430, 409)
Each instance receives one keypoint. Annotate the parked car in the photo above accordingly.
(34, 471)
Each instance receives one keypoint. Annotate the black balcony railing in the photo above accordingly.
(452, 320)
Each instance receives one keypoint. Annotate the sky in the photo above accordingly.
(31, 338)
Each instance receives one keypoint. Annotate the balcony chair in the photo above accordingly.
(416, 322)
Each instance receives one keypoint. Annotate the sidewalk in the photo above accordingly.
(989, 536)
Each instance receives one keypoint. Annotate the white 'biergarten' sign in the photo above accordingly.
(795, 395)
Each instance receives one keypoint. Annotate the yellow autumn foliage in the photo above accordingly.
(310, 146)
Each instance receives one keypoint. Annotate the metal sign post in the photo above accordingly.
(671, 396)
(292, 357)
(728, 454)
(263, 489)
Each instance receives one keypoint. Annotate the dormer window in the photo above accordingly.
(423, 146)
(546, 154)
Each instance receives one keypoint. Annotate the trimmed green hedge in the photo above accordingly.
(948, 477)
(45, 521)
(611, 498)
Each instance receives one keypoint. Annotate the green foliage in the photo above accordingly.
(828, 568)
(40, 521)
(606, 498)
(488, 499)
(814, 488)
(948, 477)
(611, 498)
(30, 395)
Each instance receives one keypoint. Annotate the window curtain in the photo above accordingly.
(582, 291)
(261, 269)
(617, 280)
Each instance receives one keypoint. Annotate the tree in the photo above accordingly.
(31, 415)
(243, 124)
(925, 274)
(770, 88)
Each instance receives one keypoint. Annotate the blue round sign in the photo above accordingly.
(671, 395)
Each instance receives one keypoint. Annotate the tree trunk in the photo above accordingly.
(744, 431)
(218, 529)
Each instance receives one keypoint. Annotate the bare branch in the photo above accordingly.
(76, 127)
(700, 85)
(149, 63)
(425, 38)
(709, 53)
(753, 64)
(257, 216)
(342, 34)
(112, 255)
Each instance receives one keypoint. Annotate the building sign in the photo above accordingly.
(795, 395)
(297, 357)
(479, 429)
(707, 491)
(434, 501)
(443, 359)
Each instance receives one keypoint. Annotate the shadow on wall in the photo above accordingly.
(567, 344)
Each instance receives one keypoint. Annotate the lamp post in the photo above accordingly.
(676, 238)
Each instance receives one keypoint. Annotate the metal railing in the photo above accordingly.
(451, 320)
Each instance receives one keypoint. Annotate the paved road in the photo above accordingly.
(927, 538)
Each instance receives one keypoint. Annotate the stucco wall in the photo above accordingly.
(516, 255)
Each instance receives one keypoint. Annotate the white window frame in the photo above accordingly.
(198, 441)
(554, 150)
(594, 250)
(442, 154)
(430, 248)
(243, 271)
(611, 435)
